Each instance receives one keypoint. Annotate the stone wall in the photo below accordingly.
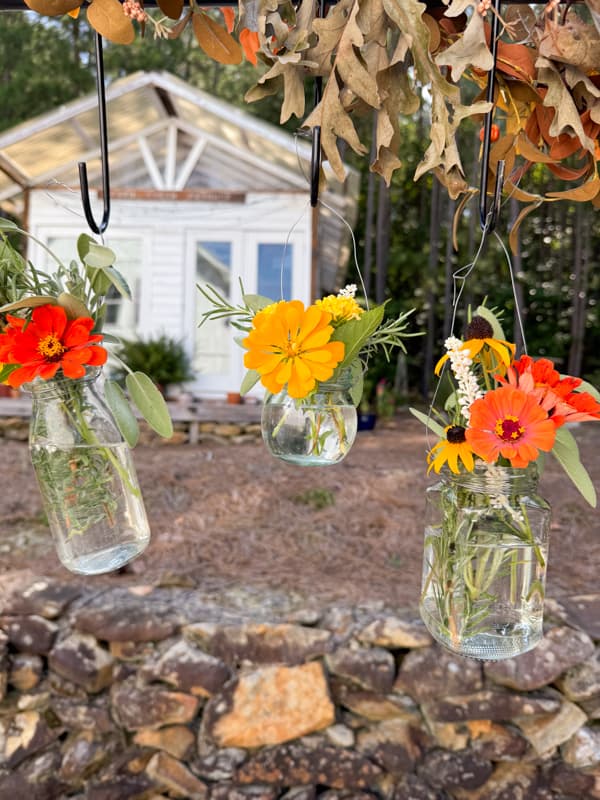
(124, 693)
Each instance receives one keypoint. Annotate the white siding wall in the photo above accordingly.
(168, 230)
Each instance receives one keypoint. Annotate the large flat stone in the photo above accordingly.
(177, 740)
(583, 748)
(435, 672)
(113, 622)
(297, 764)
(547, 732)
(395, 745)
(80, 659)
(560, 649)
(458, 770)
(370, 668)
(582, 682)
(270, 705)
(175, 777)
(488, 705)
(189, 669)
(260, 643)
(31, 634)
(136, 707)
(44, 598)
(395, 633)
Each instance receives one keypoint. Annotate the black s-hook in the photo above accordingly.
(489, 216)
(83, 177)
(315, 156)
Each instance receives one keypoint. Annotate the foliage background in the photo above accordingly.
(403, 233)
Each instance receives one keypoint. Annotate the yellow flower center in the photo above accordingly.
(509, 429)
(50, 347)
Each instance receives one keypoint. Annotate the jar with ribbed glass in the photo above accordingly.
(484, 565)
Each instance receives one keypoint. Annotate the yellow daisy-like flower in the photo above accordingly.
(291, 345)
(341, 307)
(451, 449)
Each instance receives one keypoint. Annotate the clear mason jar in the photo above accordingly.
(484, 565)
(86, 476)
(315, 431)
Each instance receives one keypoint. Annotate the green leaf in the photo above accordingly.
(124, 416)
(358, 381)
(5, 370)
(356, 332)
(98, 279)
(118, 281)
(428, 422)
(83, 245)
(72, 305)
(587, 387)
(484, 312)
(8, 225)
(256, 302)
(251, 378)
(150, 403)
(28, 302)
(566, 452)
(98, 256)
(108, 338)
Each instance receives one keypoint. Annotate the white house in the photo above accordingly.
(201, 192)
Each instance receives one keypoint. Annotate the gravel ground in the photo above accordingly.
(229, 515)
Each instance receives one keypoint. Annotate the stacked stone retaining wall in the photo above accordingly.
(124, 693)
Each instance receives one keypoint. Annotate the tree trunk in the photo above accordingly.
(581, 259)
(517, 261)
(368, 249)
(434, 251)
(382, 243)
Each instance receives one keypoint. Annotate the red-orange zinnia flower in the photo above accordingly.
(507, 422)
(47, 343)
(556, 395)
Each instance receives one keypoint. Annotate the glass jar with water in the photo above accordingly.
(315, 431)
(86, 476)
(484, 566)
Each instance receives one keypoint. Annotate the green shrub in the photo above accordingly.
(162, 358)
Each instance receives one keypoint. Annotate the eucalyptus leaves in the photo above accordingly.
(77, 293)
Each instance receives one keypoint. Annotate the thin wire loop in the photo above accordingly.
(83, 176)
(489, 216)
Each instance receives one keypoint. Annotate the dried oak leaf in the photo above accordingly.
(470, 51)
(566, 119)
(214, 39)
(573, 42)
(52, 8)
(171, 8)
(334, 122)
(107, 18)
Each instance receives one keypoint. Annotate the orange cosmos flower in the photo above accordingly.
(291, 345)
(47, 343)
(510, 423)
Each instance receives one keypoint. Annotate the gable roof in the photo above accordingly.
(167, 135)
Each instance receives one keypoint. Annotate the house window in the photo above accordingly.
(275, 271)
(122, 315)
(213, 339)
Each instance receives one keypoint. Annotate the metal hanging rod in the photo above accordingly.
(19, 5)
(488, 215)
(83, 177)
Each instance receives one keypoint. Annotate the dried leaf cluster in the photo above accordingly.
(386, 56)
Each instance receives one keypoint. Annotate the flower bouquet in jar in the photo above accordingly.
(486, 534)
(82, 429)
(311, 361)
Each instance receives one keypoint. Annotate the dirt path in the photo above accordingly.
(227, 515)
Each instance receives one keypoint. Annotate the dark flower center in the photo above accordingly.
(479, 328)
(509, 429)
(51, 348)
(456, 434)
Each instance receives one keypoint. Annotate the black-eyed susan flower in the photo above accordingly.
(452, 449)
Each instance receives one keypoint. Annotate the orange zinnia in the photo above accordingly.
(510, 423)
(47, 343)
(291, 345)
(556, 395)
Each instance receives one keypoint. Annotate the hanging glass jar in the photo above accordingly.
(86, 476)
(484, 566)
(315, 431)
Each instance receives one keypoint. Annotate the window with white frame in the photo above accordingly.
(212, 351)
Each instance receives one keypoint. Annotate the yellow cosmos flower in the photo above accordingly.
(341, 307)
(291, 345)
(451, 449)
